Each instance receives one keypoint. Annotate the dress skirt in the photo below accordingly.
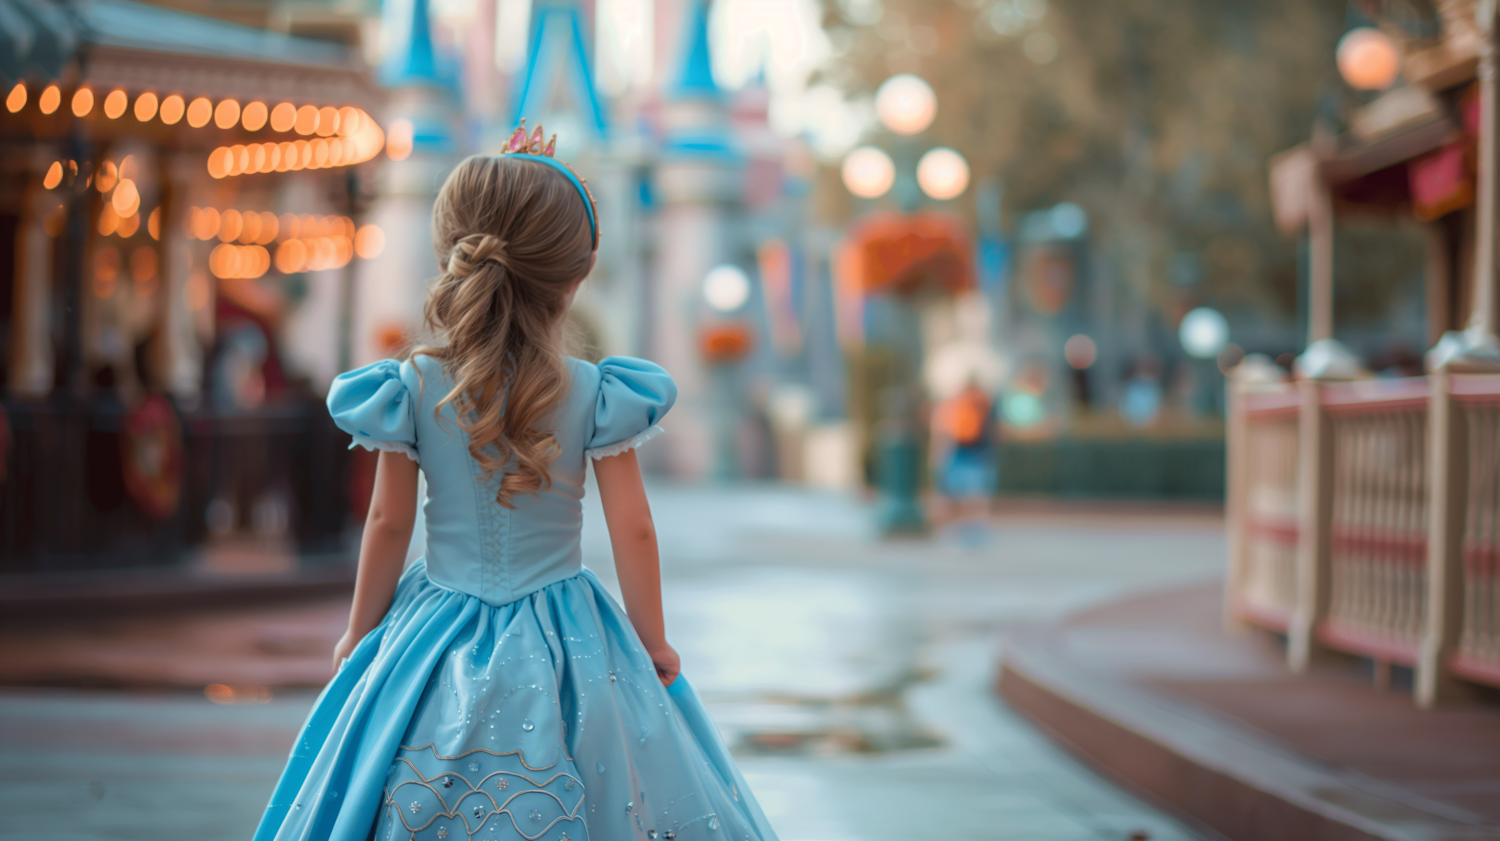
(539, 719)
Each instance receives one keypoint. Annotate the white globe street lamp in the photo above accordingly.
(1203, 332)
(869, 172)
(726, 288)
(943, 173)
(906, 104)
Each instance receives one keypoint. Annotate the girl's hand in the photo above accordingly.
(343, 648)
(667, 663)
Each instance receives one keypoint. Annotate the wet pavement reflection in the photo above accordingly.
(852, 676)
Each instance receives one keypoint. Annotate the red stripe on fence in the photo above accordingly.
(1479, 671)
(1476, 389)
(1407, 547)
(1271, 405)
(1376, 646)
(1283, 532)
(1376, 397)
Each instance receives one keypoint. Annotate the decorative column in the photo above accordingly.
(1447, 486)
(31, 356)
(187, 288)
(1324, 360)
(1474, 349)
(699, 182)
(1236, 453)
(1314, 519)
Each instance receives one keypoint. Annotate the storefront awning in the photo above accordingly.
(37, 39)
(137, 45)
(138, 26)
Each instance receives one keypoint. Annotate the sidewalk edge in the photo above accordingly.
(1215, 772)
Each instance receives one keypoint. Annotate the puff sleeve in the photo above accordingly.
(375, 406)
(633, 395)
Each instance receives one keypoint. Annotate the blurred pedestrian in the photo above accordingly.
(965, 437)
(494, 685)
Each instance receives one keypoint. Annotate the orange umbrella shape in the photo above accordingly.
(906, 254)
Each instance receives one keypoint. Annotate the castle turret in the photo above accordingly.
(698, 187)
(423, 143)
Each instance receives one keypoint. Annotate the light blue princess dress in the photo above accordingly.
(505, 695)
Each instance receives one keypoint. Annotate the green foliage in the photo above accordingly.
(1157, 116)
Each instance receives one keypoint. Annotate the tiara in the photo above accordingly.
(519, 145)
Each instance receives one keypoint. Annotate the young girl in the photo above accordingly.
(494, 690)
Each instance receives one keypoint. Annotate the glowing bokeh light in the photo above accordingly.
(109, 220)
(283, 117)
(16, 99)
(227, 114)
(254, 116)
(943, 173)
(369, 241)
(172, 109)
(1203, 332)
(114, 104)
(307, 120)
(1367, 59)
(145, 106)
(199, 112)
(350, 120)
(230, 224)
(83, 102)
(399, 139)
(726, 288)
(1080, 351)
(1022, 409)
(50, 99)
(126, 198)
(108, 175)
(906, 104)
(129, 225)
(868, 172)
(328, 121)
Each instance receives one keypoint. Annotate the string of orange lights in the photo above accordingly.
(306, 243)
(344, 136)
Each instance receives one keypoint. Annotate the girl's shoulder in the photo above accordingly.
(629, 397)
(375, 404)
(619, 376)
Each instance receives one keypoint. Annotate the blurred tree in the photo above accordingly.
(1157, 116)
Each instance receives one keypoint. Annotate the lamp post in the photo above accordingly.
(906, 106)
(725, 339)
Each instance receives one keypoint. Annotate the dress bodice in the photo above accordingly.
(475, 545)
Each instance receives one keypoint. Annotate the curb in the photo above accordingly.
(67, 597)
(1212, 770)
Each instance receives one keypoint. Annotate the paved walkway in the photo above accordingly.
(853, 676)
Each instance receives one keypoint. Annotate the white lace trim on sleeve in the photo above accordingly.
(623, 446)
(374, 444)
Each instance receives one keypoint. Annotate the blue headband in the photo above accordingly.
(519, 146)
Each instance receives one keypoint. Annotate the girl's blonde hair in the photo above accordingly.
(513, 239)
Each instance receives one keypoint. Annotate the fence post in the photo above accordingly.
(1314, 519)
(1447, 464)
(1235, 496)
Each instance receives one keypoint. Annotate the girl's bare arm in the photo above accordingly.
(632, 535)
(382, 551)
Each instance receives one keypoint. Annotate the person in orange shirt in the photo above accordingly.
(964, 438)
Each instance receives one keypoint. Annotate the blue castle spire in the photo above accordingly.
(695, 76)
(412, 59)
(701, 133)
(558, 80)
